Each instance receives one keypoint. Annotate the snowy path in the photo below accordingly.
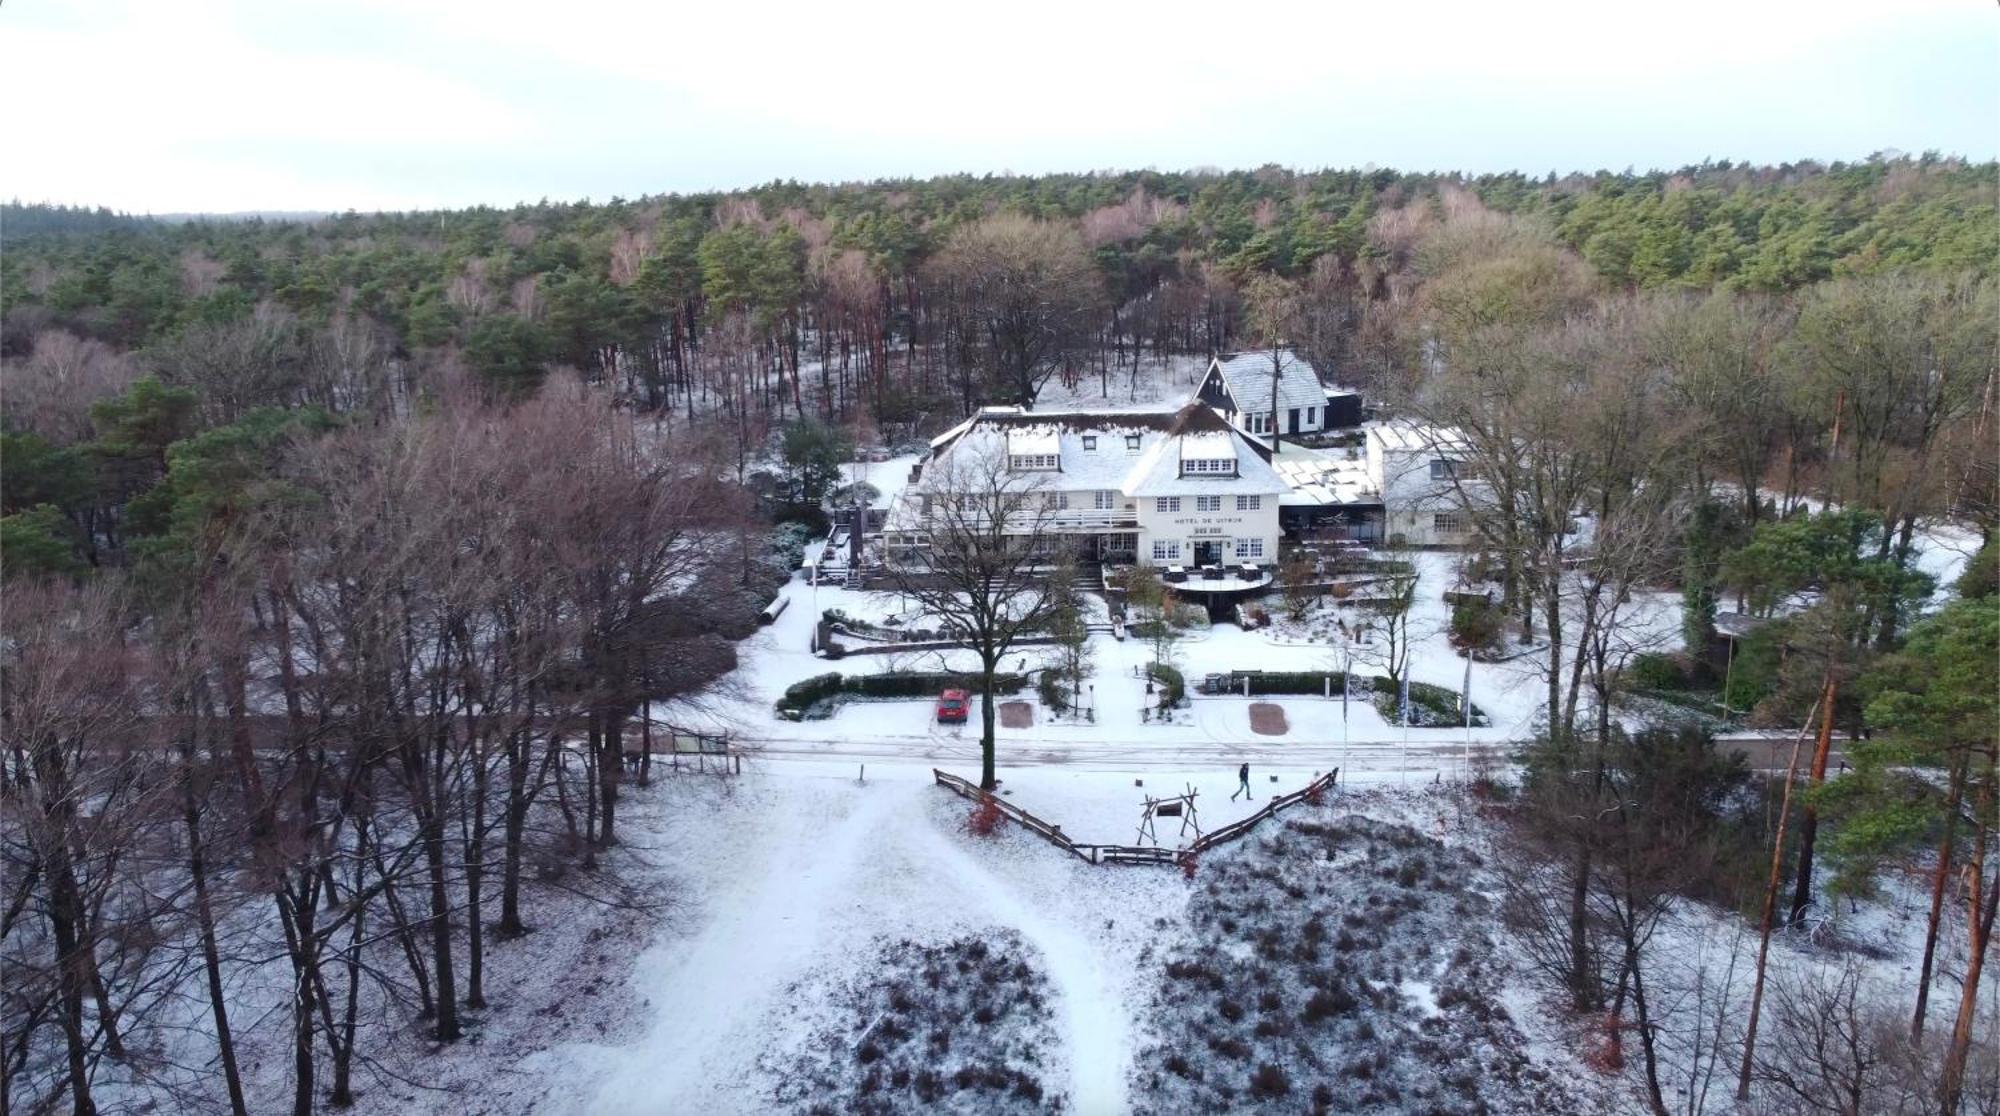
(816, 871)
(1094, 1026)
(711, 996)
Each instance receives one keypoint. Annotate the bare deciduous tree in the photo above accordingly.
(982, 568)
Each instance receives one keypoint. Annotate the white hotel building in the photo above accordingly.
(1157, 488)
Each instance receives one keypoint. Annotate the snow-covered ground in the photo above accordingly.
(784, 888)
(804, 870)
(1323, 731)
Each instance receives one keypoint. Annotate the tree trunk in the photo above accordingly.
(1980, 907)
(1939, 876)
(448, 1028)
(211, 955)
(1809, 821)
(610, 768)
(1645, 1027)
(475, 877)
(988, 779)
(515, 827)
(1770, 910)
(296, 912)
(63, 910)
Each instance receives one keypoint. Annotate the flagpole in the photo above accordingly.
(1465, 703)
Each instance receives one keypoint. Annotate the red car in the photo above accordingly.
(952, 706)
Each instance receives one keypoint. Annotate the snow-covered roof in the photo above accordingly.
(1033, 440)
(1206, 447)
(1319, 478)
(1159, 472)
(1408, 437)
(1135, 452)
(1248, 378)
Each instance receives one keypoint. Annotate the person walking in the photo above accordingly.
(1243, 784)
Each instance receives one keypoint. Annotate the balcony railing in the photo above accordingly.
(1075, 519)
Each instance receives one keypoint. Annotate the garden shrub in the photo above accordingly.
(1657, 671)
(1429, 705)
(1476, 626)
(1173, 684)
(1049, 686)
(817, 697)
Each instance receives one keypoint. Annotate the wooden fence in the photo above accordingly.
(1053, 834)
(1136, 854)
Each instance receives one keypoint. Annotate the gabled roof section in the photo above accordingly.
(1198, 432)
(1197, 418)
(1033, 441)
(1248, 378)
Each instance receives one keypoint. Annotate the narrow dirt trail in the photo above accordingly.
(1094, 1026)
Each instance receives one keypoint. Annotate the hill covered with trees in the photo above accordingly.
(878, 292)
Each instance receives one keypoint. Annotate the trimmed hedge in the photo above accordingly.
(1307, 682)
(818, 688)
(1173, 684)
(817, 697)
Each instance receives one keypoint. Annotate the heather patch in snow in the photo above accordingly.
(963, 1026)
(1338, 965)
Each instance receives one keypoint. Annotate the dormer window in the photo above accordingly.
(1033, 462)
(1131, 443)
(1090, 441)
(1208, 466)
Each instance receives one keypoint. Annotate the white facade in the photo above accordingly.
(1155, 488)
(1425, 482)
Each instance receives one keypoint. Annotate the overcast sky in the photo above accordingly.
(210, 105)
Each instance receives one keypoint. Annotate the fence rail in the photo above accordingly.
(1053, 834)
(1135, 854)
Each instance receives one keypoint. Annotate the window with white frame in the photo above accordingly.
(1249, 503)
(1259, 423)
(1166, 503)
(1131, 443)
(1444, 468)
(1090, 441)
(1249, 548)
(1166, 550)
(1055, 500)
(1031, 462)
(1312, 415)
(1211, 466)
(1208, 503)
(1104, 501)
(1448, 523)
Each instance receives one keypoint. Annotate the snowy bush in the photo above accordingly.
(1338, 965)
(1430, 706)
(1173, 685)
(958, 1027)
